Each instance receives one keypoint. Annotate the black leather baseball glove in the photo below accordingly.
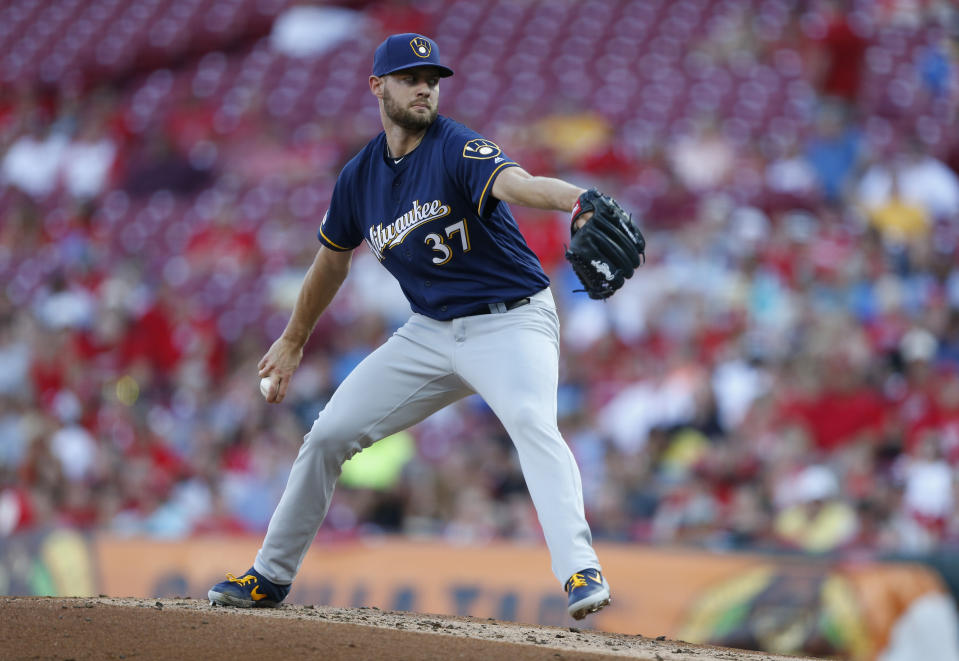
(607, 249)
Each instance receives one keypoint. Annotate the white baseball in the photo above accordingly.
(266, 386)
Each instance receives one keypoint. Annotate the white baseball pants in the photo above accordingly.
(510, 359)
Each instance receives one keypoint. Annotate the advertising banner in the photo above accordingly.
(790, 605)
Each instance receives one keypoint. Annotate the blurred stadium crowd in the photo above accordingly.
(783, 373)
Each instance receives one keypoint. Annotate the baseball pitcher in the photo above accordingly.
(430, 198)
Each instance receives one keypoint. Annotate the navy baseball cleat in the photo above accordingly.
(588, 593)
(252, 590)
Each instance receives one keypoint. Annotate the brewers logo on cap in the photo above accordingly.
(421, 47)
(406, 51)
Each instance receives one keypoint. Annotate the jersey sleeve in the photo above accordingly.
(339, 230)
(474, 162)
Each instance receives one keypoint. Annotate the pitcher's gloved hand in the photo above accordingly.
(607, 249)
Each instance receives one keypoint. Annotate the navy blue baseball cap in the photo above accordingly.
(405, 51)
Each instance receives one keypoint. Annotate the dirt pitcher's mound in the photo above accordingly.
(107, 628)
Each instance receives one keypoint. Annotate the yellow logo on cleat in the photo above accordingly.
(256, 594)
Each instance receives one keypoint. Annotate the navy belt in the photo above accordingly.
(504, 306)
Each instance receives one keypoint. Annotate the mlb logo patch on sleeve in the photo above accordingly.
(481, 149)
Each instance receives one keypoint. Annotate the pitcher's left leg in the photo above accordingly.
(512, 361)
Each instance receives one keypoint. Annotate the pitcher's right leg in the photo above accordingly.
(396, 386)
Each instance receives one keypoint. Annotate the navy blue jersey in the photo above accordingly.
(432, 221)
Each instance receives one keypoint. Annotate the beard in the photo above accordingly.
(405, 117)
